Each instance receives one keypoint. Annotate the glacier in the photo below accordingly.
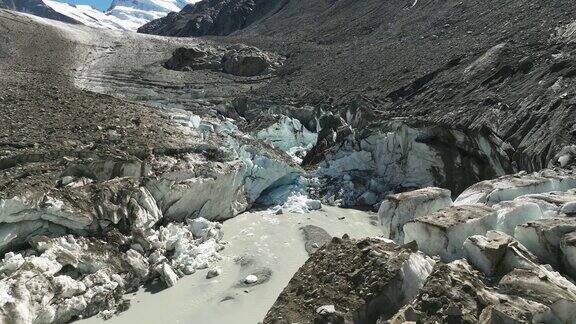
(122, 15)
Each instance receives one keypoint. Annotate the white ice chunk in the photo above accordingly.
(250, 279)
(507, 188)
(11, 263)
(443, 233)
(542, 237)
(297, 203)
(396, 210)
(68, 287)
(497, 253)
(514, 213)
(415, 271)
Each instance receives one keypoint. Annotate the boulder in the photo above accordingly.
(349, 281)
(167, 274)
(193, 58)
(245, 61)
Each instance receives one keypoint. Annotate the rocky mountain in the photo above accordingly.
(212, 17)
(122, 15)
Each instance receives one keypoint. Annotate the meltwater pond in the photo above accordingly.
(269, 246)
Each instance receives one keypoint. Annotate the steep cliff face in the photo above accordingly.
(213, 17)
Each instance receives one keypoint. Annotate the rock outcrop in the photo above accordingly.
(245, 61)
(239, 60)
(352, 281)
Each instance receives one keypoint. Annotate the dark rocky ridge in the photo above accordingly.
(213, 17)
(456, 65)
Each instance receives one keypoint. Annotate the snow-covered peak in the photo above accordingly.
(122, 15)
(89, 16)
(151, 5)
(139, 12)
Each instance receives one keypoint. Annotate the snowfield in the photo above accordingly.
(122, 15)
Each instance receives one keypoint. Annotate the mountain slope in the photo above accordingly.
(212, 17)
(504, 71)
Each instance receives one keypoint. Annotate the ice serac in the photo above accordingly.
(543, 238)
(443, 232)
(514, 213)
(289, 135)
(216, 194)
(553, 204)
(568, 248)
(398, 155)
(496, 254)
(376, 276)
(396, 210)
(455, 293)
(507, 188)
(82, 210)
(545, 287)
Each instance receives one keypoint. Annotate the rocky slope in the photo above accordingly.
(214, 17)
(488, 91)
